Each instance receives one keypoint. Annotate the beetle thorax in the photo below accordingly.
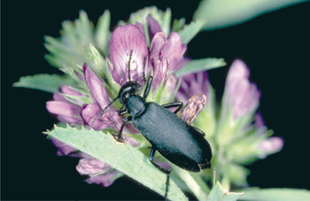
(135, 105)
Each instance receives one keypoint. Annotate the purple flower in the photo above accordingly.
(152, 26)
(62, 148)
(105, 179)
(192, 108)
(241, 95)
(128, 44)
(191, 84)
(68, 112)
(165, 55)
(65, 111)
(130, 59)
(97, 171)
(101, 99)
(269, 146)
(128, 47)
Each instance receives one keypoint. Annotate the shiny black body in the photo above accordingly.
(180, 143)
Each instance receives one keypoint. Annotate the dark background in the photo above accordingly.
(275, 46)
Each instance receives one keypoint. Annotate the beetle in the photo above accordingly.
(179, 142)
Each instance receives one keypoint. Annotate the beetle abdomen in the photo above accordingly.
(177, 141)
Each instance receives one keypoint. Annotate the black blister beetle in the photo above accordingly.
(179, 142)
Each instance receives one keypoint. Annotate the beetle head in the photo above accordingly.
(130, 88)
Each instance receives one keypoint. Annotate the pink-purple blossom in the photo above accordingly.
(130, 59)
(65, 111)
(269, 146)
(128, 47)
(191, 84)
(101, 99)
(241, 95)
(192, 108)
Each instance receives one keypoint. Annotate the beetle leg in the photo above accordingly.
(174, 104)
(151, 158)
(120, 133)
(122, 111)
(167, 172)
(199, 131)
(148, 87)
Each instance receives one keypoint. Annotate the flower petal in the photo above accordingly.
(59, 97)
(66, 110)
(259, 121)
(106, 179)
(192, 108)
(125, 41)
(240, 94)
(270, 146)
(173, 50)
(63, 148)
(152, 26)
(246, 98)
(96, 88)
(140, 27)
(237, 71)
(68, 90)
(91, 166)
(191, 84)
(90, 112)
(159, 66)
(156, 46)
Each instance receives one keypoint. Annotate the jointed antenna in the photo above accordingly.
(104, 109)
(130, 56)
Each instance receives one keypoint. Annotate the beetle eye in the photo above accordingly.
(125, 96)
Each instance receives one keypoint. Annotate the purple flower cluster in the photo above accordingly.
(128, 47)
(241, 95)
(131, 59)
(129, 54)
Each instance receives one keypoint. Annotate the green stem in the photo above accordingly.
(194, 182)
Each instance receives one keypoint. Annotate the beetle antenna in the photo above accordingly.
(130, 56)
(144, 66)
(102, 111)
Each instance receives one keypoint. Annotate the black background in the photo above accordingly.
(275, 46)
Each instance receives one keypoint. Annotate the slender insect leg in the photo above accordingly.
(199, 131)
(120, 133)
(101, 113)
(122, 111)
(167, 172)
(174, 104)
(148, 87)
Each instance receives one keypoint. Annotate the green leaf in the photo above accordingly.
(224, 13)
(190, 31)
(219, 194)
(84, 29)
(200, 65)
(122, 157)
(178, 25)
(44, 82)
(68, 51)
(276, 194)
(102, 31)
